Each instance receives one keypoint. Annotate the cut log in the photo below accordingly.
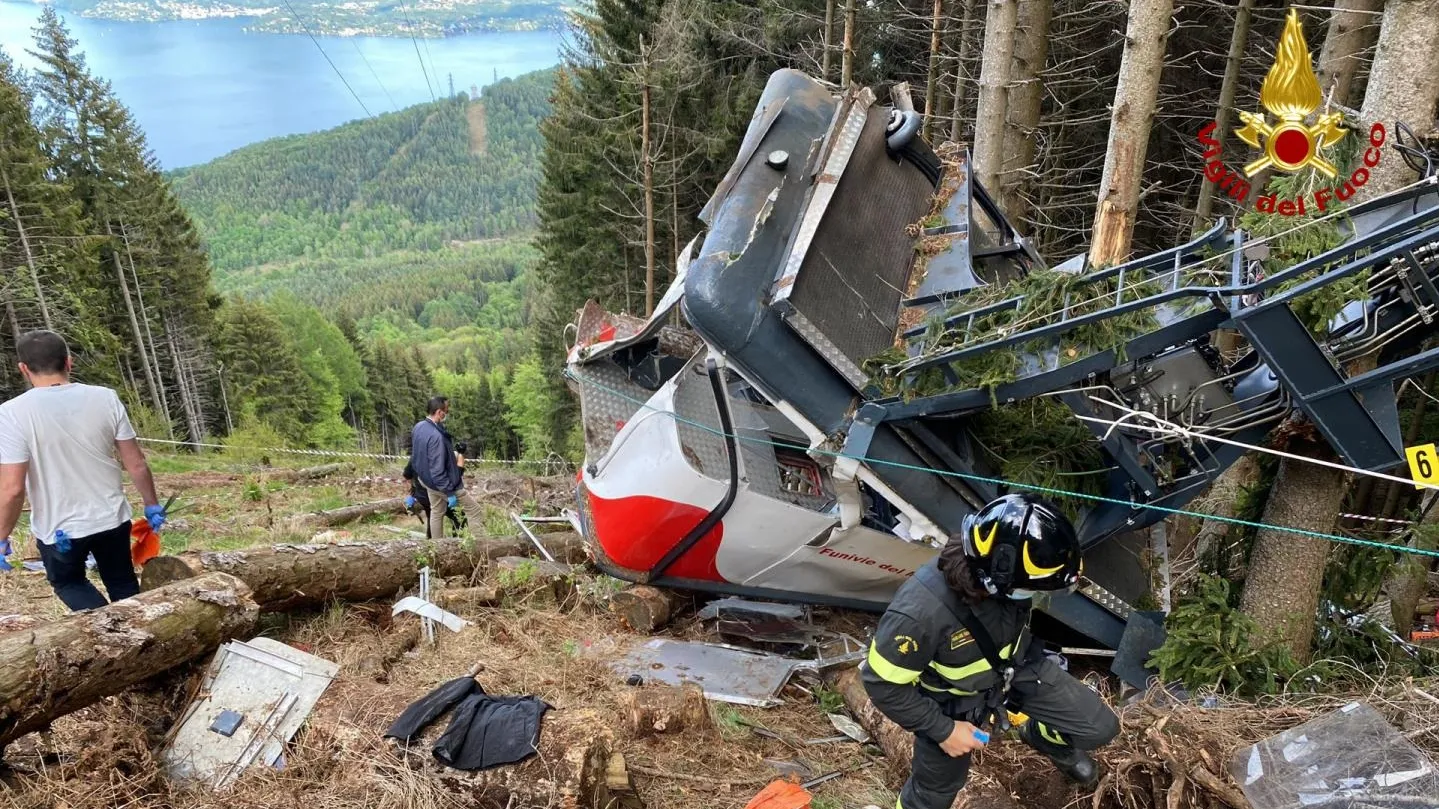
(570, 771)
(897, 744)
(665, 709)
(404, 636)
(644, 609)
(523, 575)
(315, 472)
(285, 577)
(340, 516)
(61, 666)
(461, 598)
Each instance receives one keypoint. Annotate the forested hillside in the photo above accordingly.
(451, 170)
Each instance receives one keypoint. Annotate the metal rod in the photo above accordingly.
(521, 523)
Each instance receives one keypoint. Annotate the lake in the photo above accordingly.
(202, 88)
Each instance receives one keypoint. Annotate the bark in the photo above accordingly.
(65, 665)
(570, 771)
(287, 577)
(1026, 97)
(1224, 501)
(1227, 90)
(135, 324)
(897, 744)
(1286, 570)
(664, 709)
(1403, 83)
(14, 320)
(644, 609)
(1130, 121)
(404, 636)
(1352, 31)
(647, 168)
(621, 785)
(465, 598)
(994, 73)
(340, 516)
(25, 245)
(828, 45)
(931, 83)
(847, 59)
(956, 112)
(1409, 579)
(315, 472)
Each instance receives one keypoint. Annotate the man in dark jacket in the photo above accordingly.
(953, 652)
(432, 454)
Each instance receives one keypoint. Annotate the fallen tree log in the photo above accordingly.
(340, 516)
(570, 771)
(644, 609)
(404, 636)
(62, 666)
(314, 472)
(897, 744)
(665, 709)
(285, 577)
(537, 577)
(460, 598)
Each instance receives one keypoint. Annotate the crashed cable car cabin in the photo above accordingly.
(750, 452)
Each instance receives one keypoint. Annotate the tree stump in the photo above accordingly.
(62, 666)
(665, 709)
(644, 609)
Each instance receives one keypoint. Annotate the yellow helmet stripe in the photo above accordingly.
(1035, 570)
(983, 546)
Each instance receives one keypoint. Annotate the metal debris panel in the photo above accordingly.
(726, 673)
(272, 686)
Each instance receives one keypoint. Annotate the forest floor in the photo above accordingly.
(105, 755)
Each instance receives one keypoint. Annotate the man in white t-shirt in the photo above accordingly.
(58, 442)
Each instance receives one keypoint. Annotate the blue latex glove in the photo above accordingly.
(62, 541)
(5, 550)
(453, 501)
(156, 515)
(409, 501)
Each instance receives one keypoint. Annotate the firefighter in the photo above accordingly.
(953, 654)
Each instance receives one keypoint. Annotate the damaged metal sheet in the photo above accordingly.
(726, 673)
(270, 686)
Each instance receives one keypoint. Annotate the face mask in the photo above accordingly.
(1021, 595)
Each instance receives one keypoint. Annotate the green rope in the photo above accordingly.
(1368, 543)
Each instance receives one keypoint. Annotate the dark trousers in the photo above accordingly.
(66, 571)
(1066, 713)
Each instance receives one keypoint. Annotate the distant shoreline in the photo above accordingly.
(349, 19)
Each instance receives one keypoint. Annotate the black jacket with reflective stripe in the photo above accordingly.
(922, 657)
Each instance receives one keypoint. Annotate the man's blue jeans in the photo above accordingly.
(66, 571)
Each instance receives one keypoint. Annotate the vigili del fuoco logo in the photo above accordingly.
(1290, 94)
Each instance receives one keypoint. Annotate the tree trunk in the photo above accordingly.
(1403, 83)
(824, 59)
(134, 323)
(315, 472)
(340, 516)
(895, 741)
(1227, 90)
(65, 665)
(994, 72)
(664, 709)
(931, 83)
(956, 112)
(1224, 495)
(1409, 579)
(1129, 130)
(644, 609)
(1286, 570)
(14, 321)
(847, 58)
(25, 245)
(1353, 28)
(460, 599)
(149, 335)
(404, 636)
(287, 577)
(1026, 97)
(647, 168)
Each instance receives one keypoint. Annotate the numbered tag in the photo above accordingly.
(1423, 464)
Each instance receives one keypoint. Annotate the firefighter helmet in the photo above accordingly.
(1021, 542)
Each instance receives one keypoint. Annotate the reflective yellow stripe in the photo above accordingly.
(888, 671)
(1051, 735)
(956, 691)
(963, 672)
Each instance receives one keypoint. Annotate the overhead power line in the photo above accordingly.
(333, 66)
